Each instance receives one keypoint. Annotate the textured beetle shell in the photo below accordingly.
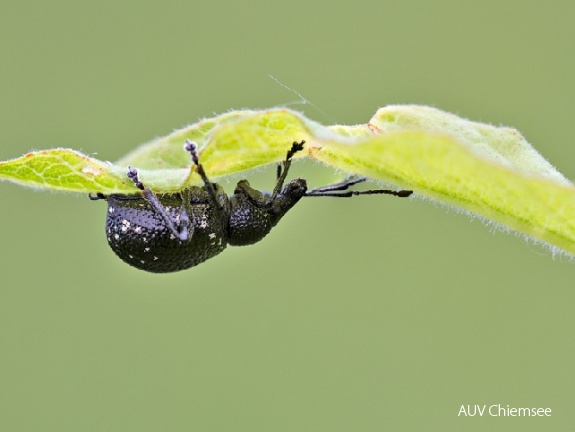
(248, 223)
(140, 237)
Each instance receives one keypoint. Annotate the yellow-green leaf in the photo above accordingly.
(489, 171)
(65, 170)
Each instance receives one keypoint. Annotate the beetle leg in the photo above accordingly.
(282, 173)
(192, 148)
(253, 195)
(185, 226)
(98, 196)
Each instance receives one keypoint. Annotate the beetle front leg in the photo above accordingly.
(283, 171)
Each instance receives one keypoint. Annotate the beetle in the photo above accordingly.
(175, 231)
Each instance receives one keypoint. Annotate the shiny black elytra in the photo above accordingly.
(176, 231)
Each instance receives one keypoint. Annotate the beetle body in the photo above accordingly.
(176, 231)
(140, 235)
(141, 238)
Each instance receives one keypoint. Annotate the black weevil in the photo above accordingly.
(176, 231)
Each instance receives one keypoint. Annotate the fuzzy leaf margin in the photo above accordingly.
(486, 170)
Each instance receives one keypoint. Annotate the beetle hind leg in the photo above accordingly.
(184, 230)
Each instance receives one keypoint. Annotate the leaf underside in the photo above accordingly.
(489, 171)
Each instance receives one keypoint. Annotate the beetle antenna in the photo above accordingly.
(348, 194)
(339, 190)
(343, 185)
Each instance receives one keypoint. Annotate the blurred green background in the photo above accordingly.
(363, 315)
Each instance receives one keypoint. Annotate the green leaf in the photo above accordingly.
(489, 171)
(65, 170)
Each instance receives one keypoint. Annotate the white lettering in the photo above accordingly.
(507, 411)
(468, 411)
